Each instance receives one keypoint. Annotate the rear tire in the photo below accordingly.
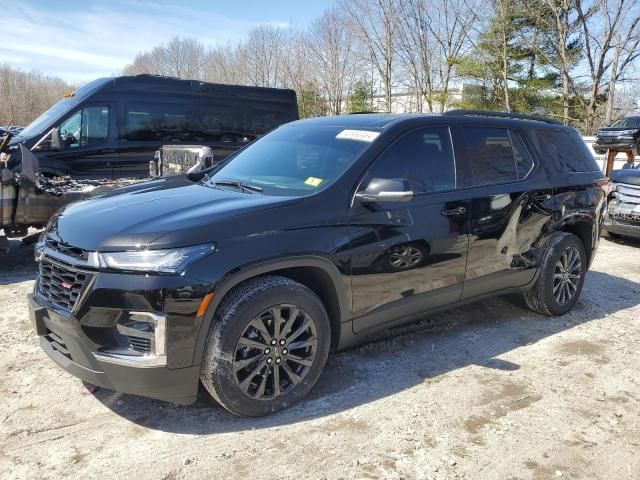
(561, 276)
(267, 346)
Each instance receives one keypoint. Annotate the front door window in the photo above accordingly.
(85, 127)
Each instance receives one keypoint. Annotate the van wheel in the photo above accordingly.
(267, 346)
(561, 276)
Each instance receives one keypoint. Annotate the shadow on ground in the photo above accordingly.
(17, 263)
(471, 335)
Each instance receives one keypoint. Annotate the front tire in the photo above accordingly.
(561, 276)
(267, 346)
(600, 151)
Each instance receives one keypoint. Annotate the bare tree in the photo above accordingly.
(225, 64)
(556, 21)
(378, 23)
(611, 35)
(452, 28)
(625, 54)
(416, 49)
(264, 50)
(182, 58)
(332, 46)
(24, 96)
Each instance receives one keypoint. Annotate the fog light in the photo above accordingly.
(146, 335)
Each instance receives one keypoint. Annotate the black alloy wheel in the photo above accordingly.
(275, 351)
(267, 345)
(567, 276)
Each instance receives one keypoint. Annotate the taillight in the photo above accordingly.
(604, 185)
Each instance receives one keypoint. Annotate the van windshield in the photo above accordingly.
(59, 109)
(48, 117)
(294, 160)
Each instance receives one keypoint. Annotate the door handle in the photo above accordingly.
(452, 212)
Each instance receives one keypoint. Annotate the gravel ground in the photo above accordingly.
(487, 391)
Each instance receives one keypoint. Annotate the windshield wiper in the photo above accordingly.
(241, 185)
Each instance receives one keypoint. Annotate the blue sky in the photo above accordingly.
(82, 40)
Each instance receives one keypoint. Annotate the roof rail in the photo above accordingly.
(488, 113)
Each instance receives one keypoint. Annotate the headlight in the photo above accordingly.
(628, 132)
(38, 249)
(159, 261)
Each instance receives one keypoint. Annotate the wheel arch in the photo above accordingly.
(318, 274)
(583, 229)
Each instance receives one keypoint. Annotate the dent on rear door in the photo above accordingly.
(507, 231)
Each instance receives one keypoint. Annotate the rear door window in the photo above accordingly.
(496, 155)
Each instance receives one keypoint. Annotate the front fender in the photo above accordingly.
(241, 274)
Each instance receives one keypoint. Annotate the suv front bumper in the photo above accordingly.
(66, 342)
(615, 143)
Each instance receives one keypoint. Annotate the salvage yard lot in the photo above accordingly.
(485, 391)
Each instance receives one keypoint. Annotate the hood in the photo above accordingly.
(616, 129)
(135, 216)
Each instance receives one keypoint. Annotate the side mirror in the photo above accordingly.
(386, 190)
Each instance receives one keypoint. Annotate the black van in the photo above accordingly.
(313, 237)
(111, 127)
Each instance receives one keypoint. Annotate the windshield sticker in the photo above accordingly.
(313, 181)
(360, 135)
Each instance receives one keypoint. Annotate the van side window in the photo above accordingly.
(422, 156)
(85, 127)
(496, 155)
(156, 121)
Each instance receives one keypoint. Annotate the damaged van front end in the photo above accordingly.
(29, 199)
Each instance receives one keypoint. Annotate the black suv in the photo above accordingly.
(623, 136)
(313, 237)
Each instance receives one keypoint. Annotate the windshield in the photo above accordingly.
(294, 160)
(633, 122)
(59, 109)
(48, 117)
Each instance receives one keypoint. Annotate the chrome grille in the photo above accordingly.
(626, 219)
(59, 283)
(627, 193)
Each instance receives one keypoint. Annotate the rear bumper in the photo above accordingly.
(67, 347)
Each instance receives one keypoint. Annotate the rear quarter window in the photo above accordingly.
(497, 155)
(565, 150)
